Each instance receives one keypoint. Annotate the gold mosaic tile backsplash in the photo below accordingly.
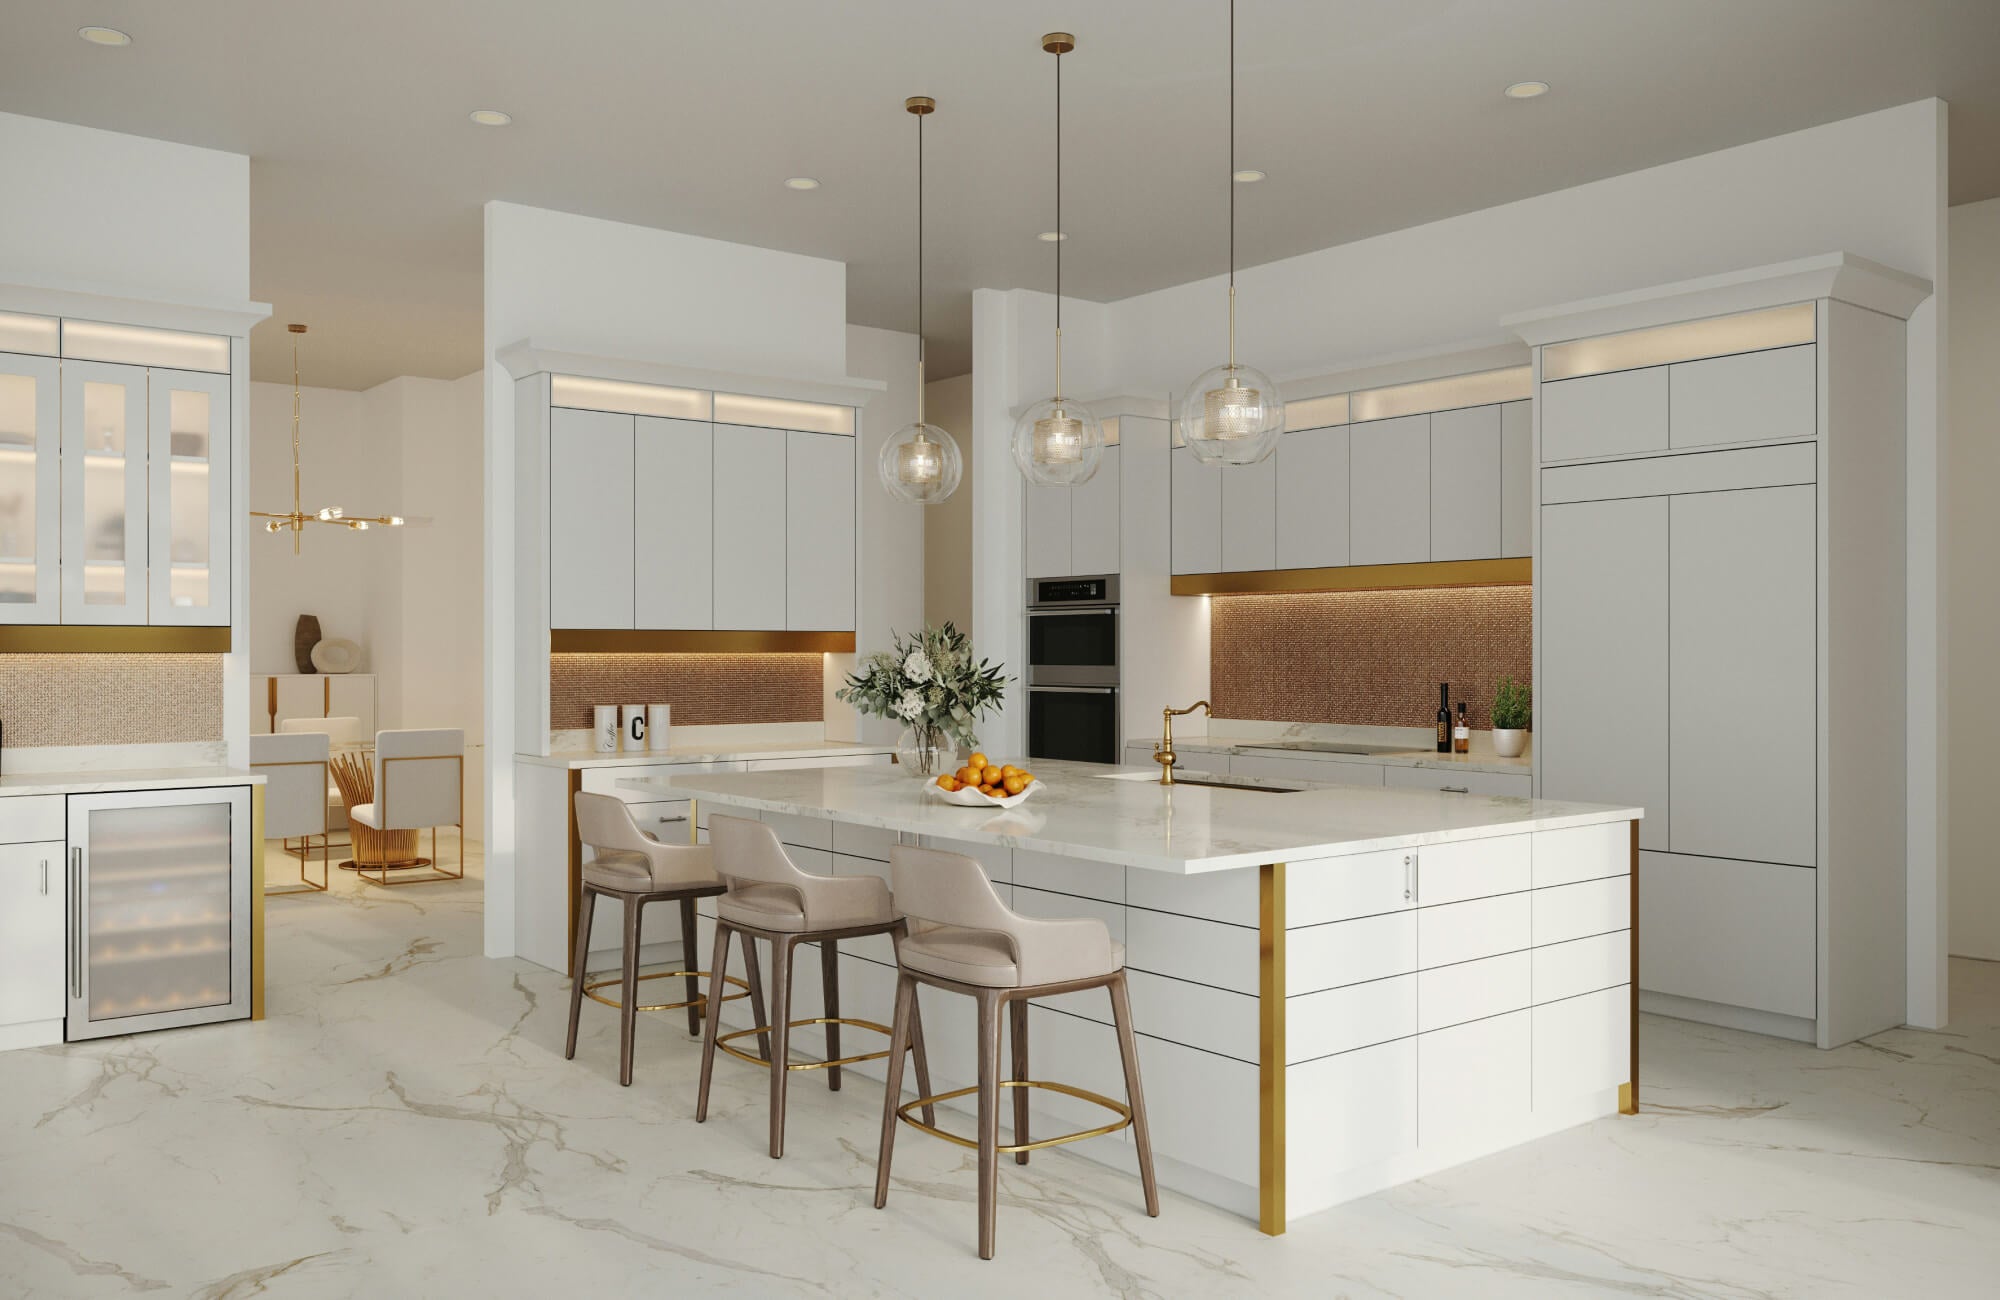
(110, 699)
(1367, 658)
(705, 690)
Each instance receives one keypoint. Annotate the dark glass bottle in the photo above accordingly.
(1444, 718)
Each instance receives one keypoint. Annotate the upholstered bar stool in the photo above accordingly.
(631, 866)
(769, 898)
(961, 938)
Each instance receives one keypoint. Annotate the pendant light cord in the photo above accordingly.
(1061, 234)
(1232, 186)
(920, 273)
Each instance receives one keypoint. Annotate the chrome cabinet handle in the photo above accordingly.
(1455, 789)
(45, 877)
(1409, 877)
(76, 923)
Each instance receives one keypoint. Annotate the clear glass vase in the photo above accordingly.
(924, 752)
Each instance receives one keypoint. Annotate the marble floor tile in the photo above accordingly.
(404, 1124)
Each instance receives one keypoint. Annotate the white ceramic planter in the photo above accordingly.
(1509, 742)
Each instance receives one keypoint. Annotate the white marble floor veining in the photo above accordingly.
(404, 1125)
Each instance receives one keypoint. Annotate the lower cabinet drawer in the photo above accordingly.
(998, 859)
(32, 817)
(801, 832)
(1473, 990)
(1564, 970)
(1206, 952)
(1482, 927)
(1582, 1045)
(669, 822)
(1577, 853)
(1576, 911)
(1343, 1019)
(1202, 1107)
(1100, 880)
(1473, 1080)
(863, 841)
(1194, 1015)
(1339, 889)
(1231, 896)
(1452, 873)
(1520, 785)
(1349, 952)
(1355, 1108)
(1740, 933)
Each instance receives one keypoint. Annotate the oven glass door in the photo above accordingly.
(1084, 639)
(1079, 723)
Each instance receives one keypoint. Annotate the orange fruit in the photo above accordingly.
(1027, 779)
(991, 776)
(1015, 784)
(968, 775)
(977, 761)
(947, 784)
(1008, 769)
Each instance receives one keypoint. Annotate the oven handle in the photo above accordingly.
(1075, 690)
(1037, 611)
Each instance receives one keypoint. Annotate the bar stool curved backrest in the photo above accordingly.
(960, 929)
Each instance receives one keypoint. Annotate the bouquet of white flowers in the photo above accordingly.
(932, 685)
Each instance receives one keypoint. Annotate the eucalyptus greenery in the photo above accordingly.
(929, 682)
(1511, 706)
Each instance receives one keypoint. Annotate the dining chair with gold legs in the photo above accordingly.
(962, 939)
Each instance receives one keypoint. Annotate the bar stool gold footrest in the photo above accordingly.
(722, 1042)
(1118, 1108)
(590, 988)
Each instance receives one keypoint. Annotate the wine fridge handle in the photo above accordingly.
(76, 922)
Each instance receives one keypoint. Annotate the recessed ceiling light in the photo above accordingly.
(1527, 89)
(1052, 236)
(491, 117)
(1247, 176)
(104, 36)
(801, 183)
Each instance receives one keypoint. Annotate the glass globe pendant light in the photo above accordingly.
(920, 463)
(1232, 414)
(1056, 443)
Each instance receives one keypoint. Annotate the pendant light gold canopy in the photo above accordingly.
(1057, 443)
(296, 518)
(1232, 414)
(921, 462)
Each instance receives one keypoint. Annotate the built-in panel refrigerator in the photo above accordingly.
(159, 910)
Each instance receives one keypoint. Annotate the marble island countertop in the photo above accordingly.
(151, 778)
(1122, 815)
(711, 752)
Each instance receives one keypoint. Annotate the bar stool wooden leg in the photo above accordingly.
(892, 1090)
(1128, 1048)
(917, 1050)
(829, 978)
(576, 974)
(781, 1037)
(628, 991)
(989, 1117)
(718, 962)
(754, 977)
(1017, 1032)
(695, 1008)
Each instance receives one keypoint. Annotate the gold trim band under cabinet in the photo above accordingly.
(57, 639)
(641, 641)
(1360, 577)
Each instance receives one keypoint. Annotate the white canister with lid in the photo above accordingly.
(659, 723)
(632, 729)
(604, 728)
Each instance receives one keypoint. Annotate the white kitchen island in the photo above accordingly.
(1336, 989)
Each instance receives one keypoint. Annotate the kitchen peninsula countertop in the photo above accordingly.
(714, 752)
(1123, 815)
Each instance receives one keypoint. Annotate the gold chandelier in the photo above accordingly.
(296, 518)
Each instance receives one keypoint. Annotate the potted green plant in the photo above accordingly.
(933, 686)
(1512, 713)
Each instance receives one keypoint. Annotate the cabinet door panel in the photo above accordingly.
(590, 519)
(673, 525)
(1744, 677)
(1473, 1079)
(1582, 1045)
(104, 493)
(188, 506)
(30, 490)
(33, 894)
(1517, 468)
(1601, 715)
(1045, 526)
(1096, 511)
(1519, 785)
(1312, 499)
(1363, 1109)
(1390, 491)
(819, 521)
(1465, 484)
(1249, 500)
(751, 518)
(1739, 933)
(1605, 415)
(1197, 514)
(1745, 398)
(352, 695)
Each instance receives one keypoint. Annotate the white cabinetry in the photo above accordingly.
(1071, 531)
(751, 523)
(1197, 514)
(590, 519)
(30, 490)
(1390, 514)
(1465, 484)
(104, 493)
(1711, 613)
(819, 532)
(1311, 502)
(32, 939)
(673, 526)
(190, 520)
(1517, 471)
(1249, 502)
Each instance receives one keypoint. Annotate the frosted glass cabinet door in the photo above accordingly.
(30, 490)
(188, 511)
(104, 493)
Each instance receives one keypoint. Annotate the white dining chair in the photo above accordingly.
(343, 733)
(419, 782)
(294, 767)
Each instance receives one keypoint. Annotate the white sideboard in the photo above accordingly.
(277, 696)
(1719, 632)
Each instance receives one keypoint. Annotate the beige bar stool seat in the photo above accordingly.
(961, 938)
(631, 866)
(769, 898)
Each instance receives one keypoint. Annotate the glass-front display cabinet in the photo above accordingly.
(104, 493)
(188, 425)
(30, 489)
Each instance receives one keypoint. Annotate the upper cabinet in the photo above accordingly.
(1071, 531)
(591, 490)
(1429, 471)
(115, 480)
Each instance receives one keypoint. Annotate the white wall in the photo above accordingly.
(1973, 597)
(123, 215)
(587, 285)
(948, 525)
(1872, 185)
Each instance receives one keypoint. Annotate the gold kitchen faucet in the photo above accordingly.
(1164, 754)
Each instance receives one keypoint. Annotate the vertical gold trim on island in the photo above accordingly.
(1628, 1092)
(575, 870)
(257, 902)
(1271, 1048)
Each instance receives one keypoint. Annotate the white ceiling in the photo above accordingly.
(1369, 115)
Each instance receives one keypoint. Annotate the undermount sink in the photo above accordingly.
(1356, 747)
(1217, 781)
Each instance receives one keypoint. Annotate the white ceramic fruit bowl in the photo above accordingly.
(969, 797)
